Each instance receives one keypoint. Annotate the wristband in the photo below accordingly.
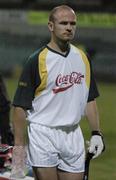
(96, 133)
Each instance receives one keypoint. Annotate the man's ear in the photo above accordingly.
(51, 26)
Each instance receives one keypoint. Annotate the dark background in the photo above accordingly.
(18, 40)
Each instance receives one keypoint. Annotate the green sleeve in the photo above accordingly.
(27, 84)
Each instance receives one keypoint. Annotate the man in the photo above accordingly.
(55, 90)
(5, 128)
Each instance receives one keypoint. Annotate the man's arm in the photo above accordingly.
(19, 126)
(19, 149)
(93, 115)
(28, 82)
(96, 145)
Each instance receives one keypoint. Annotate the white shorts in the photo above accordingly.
(62, 147)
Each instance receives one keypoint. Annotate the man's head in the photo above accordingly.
(62, 23)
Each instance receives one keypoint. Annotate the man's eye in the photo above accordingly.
(73, 23)
(64, 23)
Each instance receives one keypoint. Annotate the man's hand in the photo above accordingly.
(18, 162)
(96, 145)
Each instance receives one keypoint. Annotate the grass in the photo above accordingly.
(103, 167)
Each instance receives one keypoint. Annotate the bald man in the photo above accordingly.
(55, 90)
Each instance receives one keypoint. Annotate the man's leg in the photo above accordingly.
(49, 173)
(62, 175)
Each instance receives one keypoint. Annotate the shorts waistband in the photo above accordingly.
(66, 128)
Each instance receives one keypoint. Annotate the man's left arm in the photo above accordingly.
(96, 145)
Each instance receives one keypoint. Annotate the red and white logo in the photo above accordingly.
(64, 82)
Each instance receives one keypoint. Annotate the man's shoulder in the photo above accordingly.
(36, 53)
(32, 60)
(78, 49)
(81, 52)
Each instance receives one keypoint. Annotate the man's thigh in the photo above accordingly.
(62, 175)
(45, 173)
(51, 173)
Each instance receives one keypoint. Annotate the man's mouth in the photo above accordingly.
(68, 34)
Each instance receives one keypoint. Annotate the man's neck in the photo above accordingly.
(61, 47)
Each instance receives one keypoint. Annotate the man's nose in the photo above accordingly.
(69, 27)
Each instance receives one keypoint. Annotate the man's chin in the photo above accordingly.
(67, 39)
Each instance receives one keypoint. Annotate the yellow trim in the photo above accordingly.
(42, 72)
(86, 62)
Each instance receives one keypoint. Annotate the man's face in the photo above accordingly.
(64, 25)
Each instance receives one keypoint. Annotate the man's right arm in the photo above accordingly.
(19, 126)
(19, 149)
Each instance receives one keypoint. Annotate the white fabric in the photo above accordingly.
(61, 147)
(96, 145)
(65, 107)
(18, 162)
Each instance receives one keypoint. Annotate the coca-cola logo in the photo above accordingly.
(64, 82)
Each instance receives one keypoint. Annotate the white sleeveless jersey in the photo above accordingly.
(61, 97)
